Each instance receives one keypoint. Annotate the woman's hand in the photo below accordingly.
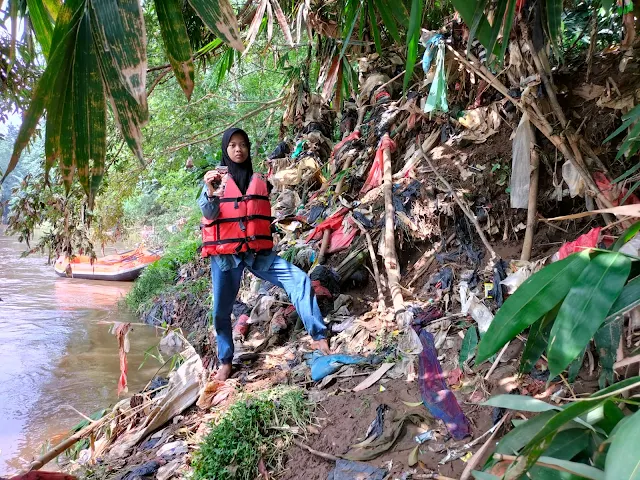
(212, 180)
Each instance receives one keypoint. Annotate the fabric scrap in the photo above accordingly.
(436, 396)
(348, 470)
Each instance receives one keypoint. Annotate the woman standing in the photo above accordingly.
(236, 234)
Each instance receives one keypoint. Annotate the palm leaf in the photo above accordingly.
(373, 25)
(42, 25)
(176, 42)
(282, 20)
(252, 32)
(387, 18)
(219, 17)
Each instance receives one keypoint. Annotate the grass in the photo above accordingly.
(251, 429)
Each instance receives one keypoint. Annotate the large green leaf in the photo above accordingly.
(516, 439)
(543, 438)
(496, 27)
(387, 19)
(118, 33)
(89, 125)
(628, 234)
(176, 42)
(539, 294)
(353, 14)
(623, 460)
(580, 469)
(585, 308)
(373, 25)
(506, 30)
(42, 25)
(467, 10)
(612, 415)
(628, 299)
(568, 443)
(607, 340)
(537, 340)
(521, 403)
(63, 39)
(478, 16)
(554, 22)
(413, 39)
(219, 17)
(576, 365)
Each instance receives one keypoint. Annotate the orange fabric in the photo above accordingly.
(249, 232)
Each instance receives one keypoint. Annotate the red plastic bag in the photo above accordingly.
(588, 240)
(374, 179)
(610, 191)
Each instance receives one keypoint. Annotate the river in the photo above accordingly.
(55, 354)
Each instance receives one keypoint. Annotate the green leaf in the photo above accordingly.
(537, 340)
(467, 9)
(554, 23)
(623, 461)
(575, 365)
(580, 469)
(612, 415)
(607, 340)
(630, 192)
(506, 31)
(543, 438)
(520, 436)
(387, 19)
(375, 30)
(539, 294)
(521, 403)
(585, 308)
(116, 28)
(628, 234)
(478, 15)
(352, 19)
(469, 344)
(44, 91)
(413, 39)
(219, 17)
(42, 25)
(89, 111)
(628, 173)
(496, 27)
(568, 443)
(176, 42)
(628, 299)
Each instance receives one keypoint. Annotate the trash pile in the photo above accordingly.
(397, 223)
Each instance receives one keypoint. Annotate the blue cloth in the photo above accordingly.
(323, 365)
(278, 271)
(430, 47)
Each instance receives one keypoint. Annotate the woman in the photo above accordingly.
(237, 235)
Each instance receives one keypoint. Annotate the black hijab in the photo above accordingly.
(240, 172)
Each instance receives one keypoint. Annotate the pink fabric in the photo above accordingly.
(588, 240)
(374, 179)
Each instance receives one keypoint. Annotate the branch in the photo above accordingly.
(235, 122)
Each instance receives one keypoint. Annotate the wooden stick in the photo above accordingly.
(326, 236)
(374, 262)
(627, 361)
(532, 208)
(497, 360)
(463, 207)
(477, 457)
(326, 456)
(65, 444)
(390, 257)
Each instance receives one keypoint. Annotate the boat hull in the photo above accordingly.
(124, 267)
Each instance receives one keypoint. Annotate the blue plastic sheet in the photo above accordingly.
(323, 365)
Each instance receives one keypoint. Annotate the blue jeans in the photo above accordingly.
(294, 281)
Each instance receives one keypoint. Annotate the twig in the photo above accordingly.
(462, 206)
(326, 456)
(157, 79)
(88, 419)
(478, 456)
(263, 107)
(532, 208)
(627, 361)
(376, 273)
(326, 236)
(497, 360)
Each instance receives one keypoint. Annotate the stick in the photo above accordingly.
(532, 208)
(376, 273)
(326, 456)
(390, 257)
(65, 444)
(462, 206)
(478, 456)
(497, 360)
(513, 458)
(627, 361)
(326, 236)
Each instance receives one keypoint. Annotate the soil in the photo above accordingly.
(344, 417)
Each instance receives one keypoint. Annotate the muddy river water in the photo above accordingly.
(56, 352)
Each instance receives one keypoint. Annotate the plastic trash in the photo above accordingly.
(323, 365)
(172, 449)
(521, 164)
(475, 308)
(348, 470)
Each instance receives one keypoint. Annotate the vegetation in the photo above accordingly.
(255, 428)
(567, 304)
(592, 438)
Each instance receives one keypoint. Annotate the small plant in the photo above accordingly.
(594, 437)
(254, 428)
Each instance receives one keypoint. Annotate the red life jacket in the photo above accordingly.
(244, 222)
